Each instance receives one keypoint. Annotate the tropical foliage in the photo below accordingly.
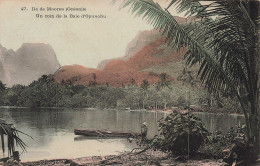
(218, 141)
(224, 39)
(45, 92)
(181, 134)
(12, 135)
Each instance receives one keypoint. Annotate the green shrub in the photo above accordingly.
(180, 132)
(217, 142)
(181, 102)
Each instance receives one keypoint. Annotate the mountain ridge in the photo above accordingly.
(147, 49)
(126, 70)
(28, 63)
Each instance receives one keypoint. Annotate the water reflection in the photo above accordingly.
(220, 122)
(52, 129)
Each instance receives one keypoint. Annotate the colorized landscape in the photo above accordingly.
(185, 92)
(150, 75)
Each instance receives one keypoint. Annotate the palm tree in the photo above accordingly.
(224, 39)
(94, 82)
(145, 85)
(164, 81)
(13, 138)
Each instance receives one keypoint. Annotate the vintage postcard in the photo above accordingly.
(129, 82)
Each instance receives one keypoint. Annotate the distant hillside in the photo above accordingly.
(126, 70)
(28, 63)
(146, 57)
(141, 39)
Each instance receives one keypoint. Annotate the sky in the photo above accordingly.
(75, 40)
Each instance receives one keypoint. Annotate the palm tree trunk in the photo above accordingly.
(254, 129)
(254, 115)
(252, 120)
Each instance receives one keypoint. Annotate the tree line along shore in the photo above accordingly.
(45, 92)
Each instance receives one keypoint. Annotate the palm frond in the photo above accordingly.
(181, 36)
(12, 137)
(192, 7)
(224, 46)
(234, 42)
(165, 22)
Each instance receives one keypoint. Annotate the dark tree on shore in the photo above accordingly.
(2, 90)
(2, 86)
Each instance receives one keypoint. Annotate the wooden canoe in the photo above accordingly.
(104, 133)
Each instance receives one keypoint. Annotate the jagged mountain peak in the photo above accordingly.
(28, 63)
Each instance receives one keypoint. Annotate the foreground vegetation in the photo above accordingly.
(223, 39)
(184, 136)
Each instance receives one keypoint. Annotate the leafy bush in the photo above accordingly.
(181, 102)
(180, 133)
(217, 142)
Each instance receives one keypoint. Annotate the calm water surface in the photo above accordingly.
(53, 137)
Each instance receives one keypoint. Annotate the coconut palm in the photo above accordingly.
(223, 38)
(12, 135)
(145, 85)
(164, 81)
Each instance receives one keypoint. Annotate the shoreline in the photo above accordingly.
(89, 160)
(168, 110)
(148, 157)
